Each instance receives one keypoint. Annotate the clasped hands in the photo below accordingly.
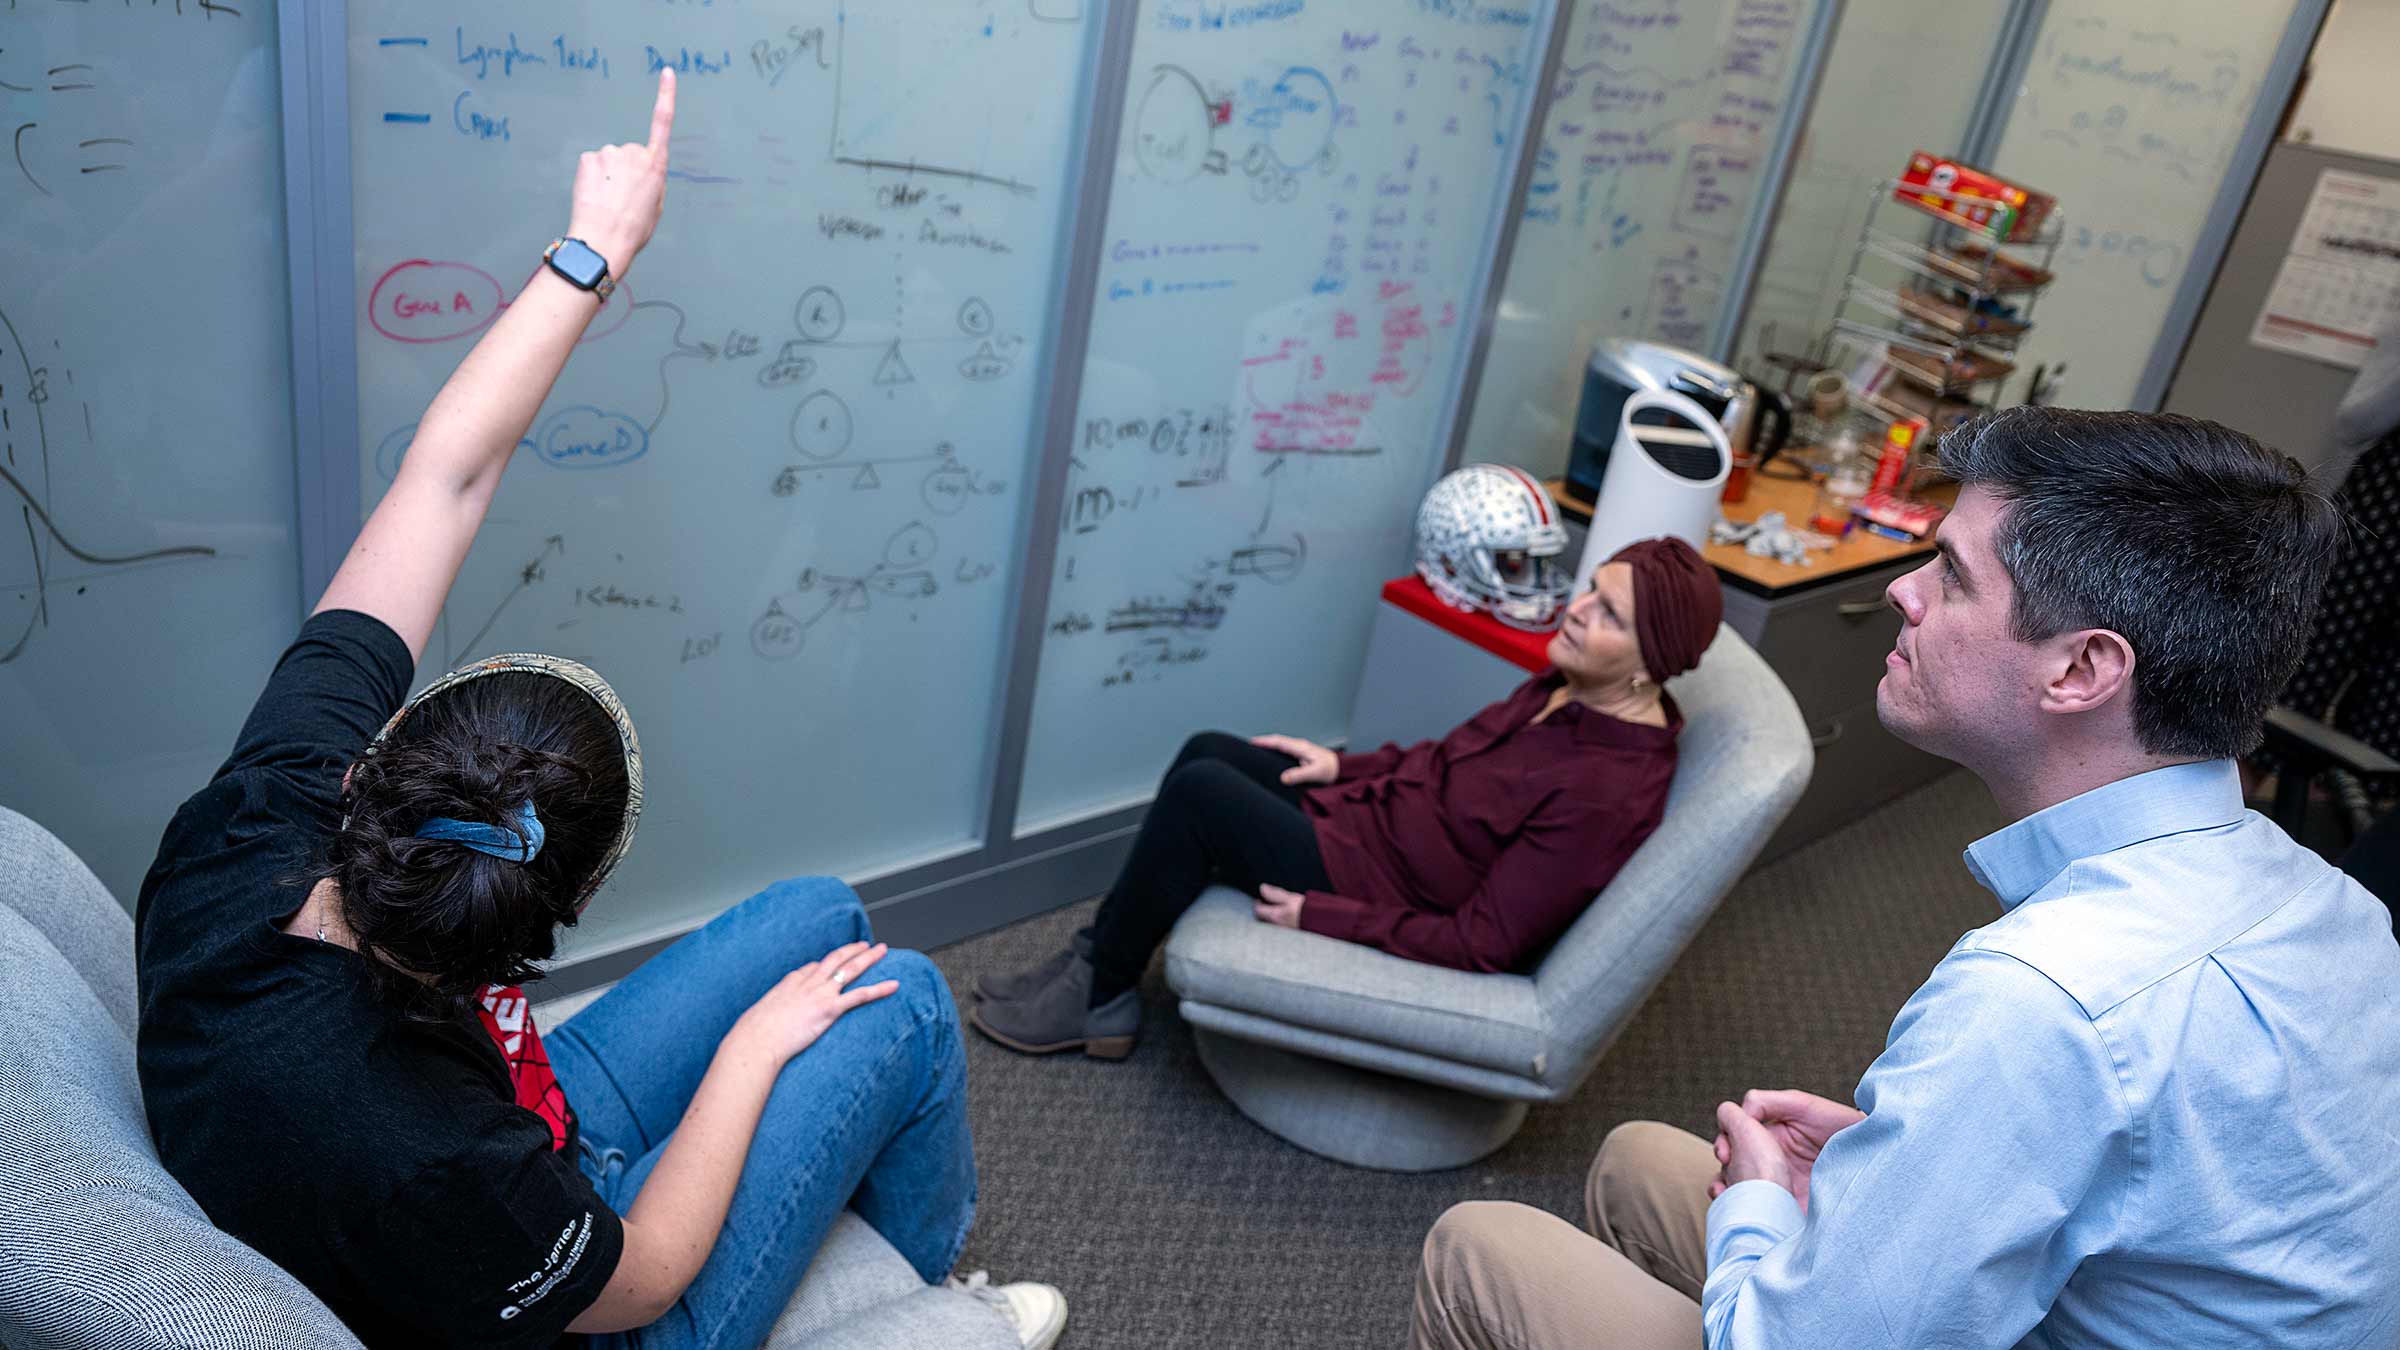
(1776, 1136)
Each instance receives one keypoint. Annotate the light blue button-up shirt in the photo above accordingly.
(2155, 1103)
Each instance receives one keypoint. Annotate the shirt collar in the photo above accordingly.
(2015, 862)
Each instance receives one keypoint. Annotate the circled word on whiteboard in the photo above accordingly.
(581, 437)
(422, 300)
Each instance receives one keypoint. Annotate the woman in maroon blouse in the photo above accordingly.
(1475, 851)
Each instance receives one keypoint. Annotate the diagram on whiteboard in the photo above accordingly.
(1156, 632)
(1271, 134)
(47, 430)
(904, 572)
(896, 96)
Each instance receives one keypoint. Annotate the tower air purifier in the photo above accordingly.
(1664, 476)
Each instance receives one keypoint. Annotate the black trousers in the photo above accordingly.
(1222, 815)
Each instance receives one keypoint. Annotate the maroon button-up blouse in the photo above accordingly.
(1477, 850)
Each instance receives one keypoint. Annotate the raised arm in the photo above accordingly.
(410, 549)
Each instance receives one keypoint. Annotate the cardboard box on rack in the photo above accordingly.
(1958, 192)
(1906, 516)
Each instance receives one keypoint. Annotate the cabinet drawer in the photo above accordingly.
(1829, 645)
(1860, 766)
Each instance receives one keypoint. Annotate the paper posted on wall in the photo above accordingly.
(2340, 283)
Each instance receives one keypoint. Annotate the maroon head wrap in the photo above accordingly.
(1677, 603)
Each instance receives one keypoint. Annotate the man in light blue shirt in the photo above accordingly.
(2157, 1101)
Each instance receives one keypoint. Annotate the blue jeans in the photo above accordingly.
(872, 1117)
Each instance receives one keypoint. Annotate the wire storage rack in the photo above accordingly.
(1934, 313)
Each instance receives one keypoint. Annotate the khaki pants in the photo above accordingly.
(1499, 1276)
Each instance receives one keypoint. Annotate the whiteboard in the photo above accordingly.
(2129, 114)
(776, 497)
(147, 552)
(2345, 103)
(1653, 153)
(1303, 199)
(1886, 55)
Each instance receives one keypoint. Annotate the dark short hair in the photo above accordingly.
(2204, 549)
(475, 752)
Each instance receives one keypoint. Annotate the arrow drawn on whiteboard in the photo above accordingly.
(526, 576)
(682, 349)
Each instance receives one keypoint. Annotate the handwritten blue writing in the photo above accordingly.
(1125, 251)
(584, 437)
(482, 57)
(685, 61)
(578, 57)
(2169, 82)
(1118, 290)
(475, 124)
(1474, 12)
(1196, 14)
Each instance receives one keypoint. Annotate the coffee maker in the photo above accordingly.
(1757, 421)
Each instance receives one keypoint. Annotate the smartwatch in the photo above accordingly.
(583, 268)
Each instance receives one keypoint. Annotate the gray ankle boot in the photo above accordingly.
(1058, 1016)
(1019, 983)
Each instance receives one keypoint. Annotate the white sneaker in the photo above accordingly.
(1036, 1312)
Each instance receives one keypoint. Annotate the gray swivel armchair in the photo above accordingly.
(1382, 1062)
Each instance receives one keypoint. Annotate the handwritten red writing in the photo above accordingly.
(425, 301)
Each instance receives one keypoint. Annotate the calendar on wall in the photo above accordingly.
(2339, 285)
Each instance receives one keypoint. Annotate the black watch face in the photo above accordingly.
(578, 263)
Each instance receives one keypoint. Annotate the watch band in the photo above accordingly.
(602, 288)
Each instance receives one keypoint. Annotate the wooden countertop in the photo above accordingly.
(1859, 551)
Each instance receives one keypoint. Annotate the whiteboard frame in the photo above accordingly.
(1541, 95)
(312, 41)
(2275, 91)
(2012, 53)
(1499, 248)
(1038, 548)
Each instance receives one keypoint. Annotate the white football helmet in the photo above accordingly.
(1488, 538)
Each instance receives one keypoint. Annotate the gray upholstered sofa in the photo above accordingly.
(100, 1247)
(1382, 1062)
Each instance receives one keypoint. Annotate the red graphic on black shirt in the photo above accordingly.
(508, 1019)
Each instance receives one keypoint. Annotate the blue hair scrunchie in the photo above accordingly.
(521, 845)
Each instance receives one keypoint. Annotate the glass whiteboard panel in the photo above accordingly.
(2345, 102)
(1304, 200)
(775, 498)
(2129, 114)
(1650, 160)
(1901, 76)
(147, 551)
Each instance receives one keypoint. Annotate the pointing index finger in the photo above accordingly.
(662, 117)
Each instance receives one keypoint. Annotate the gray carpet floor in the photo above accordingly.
(1171, 1221)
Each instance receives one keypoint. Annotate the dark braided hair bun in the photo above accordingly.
(477, 752)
